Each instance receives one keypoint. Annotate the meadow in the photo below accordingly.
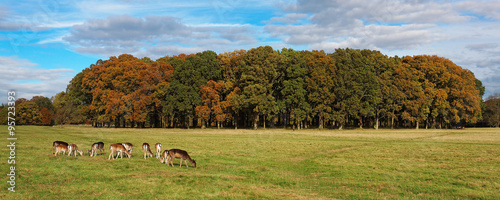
(259, 164)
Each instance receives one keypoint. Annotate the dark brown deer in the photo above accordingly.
(57, 143)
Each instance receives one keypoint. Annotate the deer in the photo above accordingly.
(147, 150)
(61, 148)
(177, 153)
(158, 150)
(164, 156)
(119, 148)
(72, 148)
(128, 146)
(57, 143)
(95, 147)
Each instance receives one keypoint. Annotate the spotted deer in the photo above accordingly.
(95, 147)
(61, 148)
(158, 150)
(128, 146)
(119, 149)
(73, 149)
(147, 150)
(177, 153)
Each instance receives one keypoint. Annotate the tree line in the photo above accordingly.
(263, 87)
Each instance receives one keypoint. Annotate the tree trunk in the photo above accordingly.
(320, 121)
(376, 123)
(255, 121)
(203, 123)
(264, 121)
(417, 125)
(392, 122)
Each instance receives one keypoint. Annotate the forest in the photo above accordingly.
(263, 87)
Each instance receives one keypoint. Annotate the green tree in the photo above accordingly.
(28, 113)
(66, 111)
(492, 112)
(357, 87)
(293, 93)
(259, 72)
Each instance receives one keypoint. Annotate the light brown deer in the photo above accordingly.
(164, 156)
(72, 148)
(61, 148)
(147, 150)
(120, 149)
(95, 147)
(158, 150)
(178, 153)
(57, 143)
(128, 146)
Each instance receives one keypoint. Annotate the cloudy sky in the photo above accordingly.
(43, 44)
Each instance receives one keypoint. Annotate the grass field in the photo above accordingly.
(259, 164)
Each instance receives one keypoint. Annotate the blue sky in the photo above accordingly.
(43, 44)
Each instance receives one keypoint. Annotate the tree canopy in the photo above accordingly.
(266, 87)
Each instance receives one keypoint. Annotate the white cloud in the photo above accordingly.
(28, 80)
(139, 36)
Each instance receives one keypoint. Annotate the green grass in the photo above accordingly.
(260, 164)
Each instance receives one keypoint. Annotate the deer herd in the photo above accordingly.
(166, 157)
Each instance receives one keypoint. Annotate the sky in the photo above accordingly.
(44, 44)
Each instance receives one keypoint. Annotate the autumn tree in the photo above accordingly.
(211, 106)
(230, 63)
(320, 85)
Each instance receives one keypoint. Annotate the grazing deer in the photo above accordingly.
(147, 150)
(120, 149)
(95, 146)
(61, 148)
(177, 153)
(57, 143)
(164, 156)
(158, 150)
(128, 146)
(72, 148)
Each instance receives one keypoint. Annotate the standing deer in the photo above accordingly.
(57, 143)
(158, 150)
(72, 148)
(177, 153)
(95, 147)
(120, 149)
(147, 150)
(61, 148)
